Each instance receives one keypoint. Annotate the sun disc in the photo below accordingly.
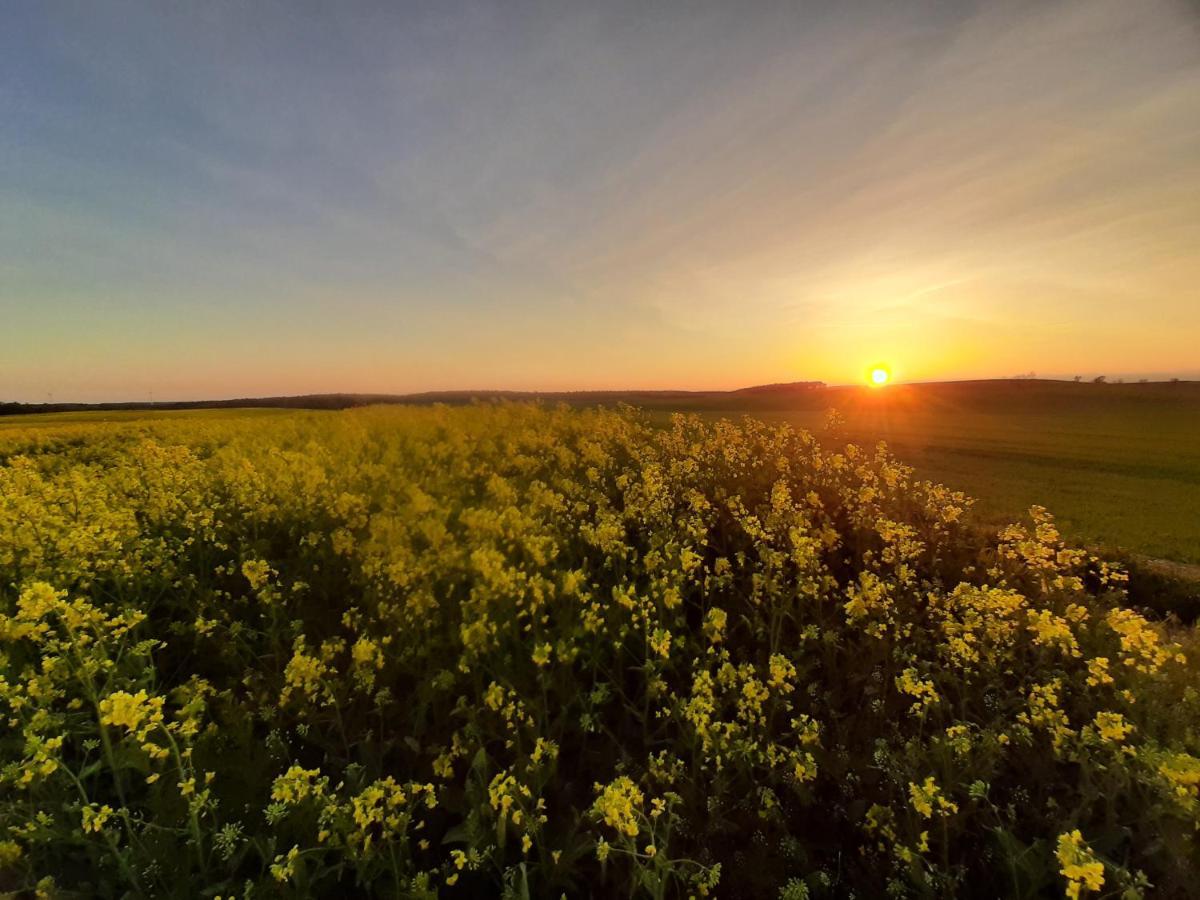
(879, 376)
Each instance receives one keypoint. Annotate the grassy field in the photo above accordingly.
(1118, 465)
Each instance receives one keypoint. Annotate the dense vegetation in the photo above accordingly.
(509, 650)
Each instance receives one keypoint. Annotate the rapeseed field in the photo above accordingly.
(510, 650)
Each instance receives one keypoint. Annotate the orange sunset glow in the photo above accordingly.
(212, 204)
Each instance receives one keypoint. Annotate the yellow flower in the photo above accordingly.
(1141, 647)
(660, 642)
(1182, 774)
(1050, 630)
(365, 652)
(256, 571)
(782, 673)
(909, 682)
(926, 798)
(303, 674)
(1081, 869)
(493, 698)
(1098, 672)
(1112, 726)
(284, 867)
(506, 794)
(94, 818)
(543, 749)
(714, 624)
(134, 712)
(1044, 712)
(619, 804)
(295, 785)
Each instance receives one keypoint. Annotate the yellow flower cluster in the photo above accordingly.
(1181, 771)
(303, 675)
(1141, 647)
(296, 785)
(922, 689)
(1081, 869)
(1111, 726)
(94, 817)
(1050, 630)
(1045, 712)
(138, 713)
(384, 809)
(927, 798)
(619, 805)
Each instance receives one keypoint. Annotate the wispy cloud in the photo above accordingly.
(682, 193)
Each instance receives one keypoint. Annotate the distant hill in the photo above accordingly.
(348, 401)
(785, 387)
(307, 401)
(785, 395)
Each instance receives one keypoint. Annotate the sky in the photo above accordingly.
(223, 199)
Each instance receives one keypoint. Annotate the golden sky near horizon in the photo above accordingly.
(228, 200)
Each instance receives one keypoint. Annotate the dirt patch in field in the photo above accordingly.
(1164, 587)
(1172, 569)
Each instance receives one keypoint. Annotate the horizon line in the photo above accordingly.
(763, 388)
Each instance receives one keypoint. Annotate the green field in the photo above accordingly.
(1118, 465)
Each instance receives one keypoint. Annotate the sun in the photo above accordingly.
(880, 376)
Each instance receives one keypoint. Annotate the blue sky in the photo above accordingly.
(227, 199)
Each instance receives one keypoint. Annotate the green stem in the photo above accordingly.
(193, 819)
(122, 864)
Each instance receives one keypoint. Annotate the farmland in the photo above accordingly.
(518, 651)
(1119, 465)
